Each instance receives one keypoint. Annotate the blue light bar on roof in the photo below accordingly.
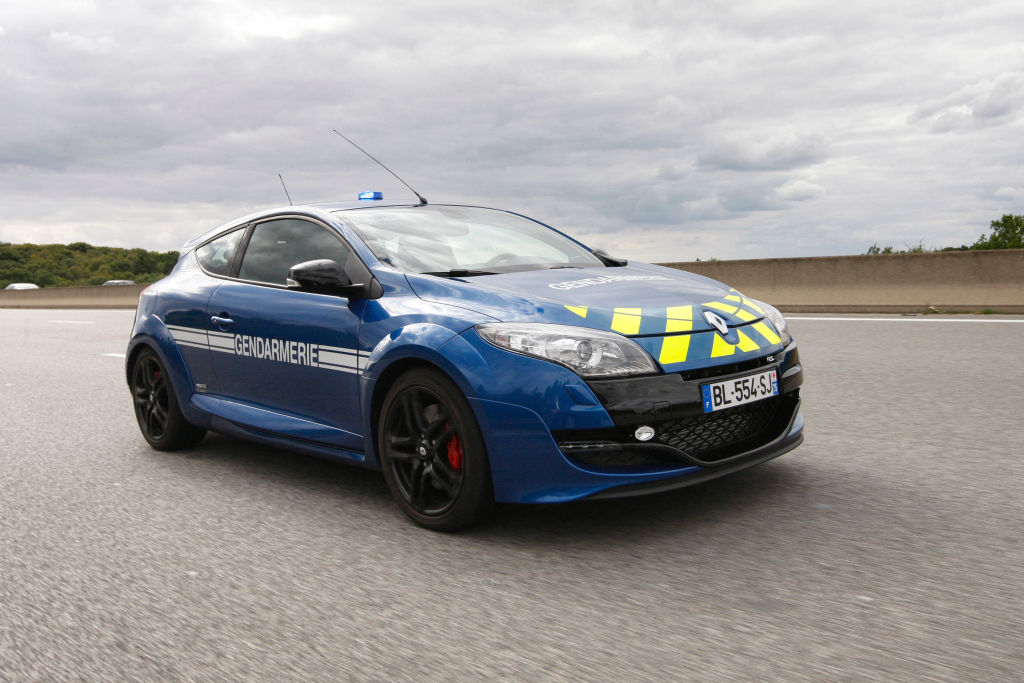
(371, 195)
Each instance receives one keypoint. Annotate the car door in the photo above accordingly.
(184, 307)
(293, 352)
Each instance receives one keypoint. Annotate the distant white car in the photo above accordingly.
(118, 283)
(21, 285)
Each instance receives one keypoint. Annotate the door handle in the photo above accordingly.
(221, 322)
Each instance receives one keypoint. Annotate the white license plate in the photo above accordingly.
(735, 392)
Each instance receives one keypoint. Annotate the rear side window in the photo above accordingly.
(276, 246)
(217, 256)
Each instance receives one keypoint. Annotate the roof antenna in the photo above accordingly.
(418, 195)
(286, 190)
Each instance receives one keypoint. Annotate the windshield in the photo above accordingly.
(461, 240)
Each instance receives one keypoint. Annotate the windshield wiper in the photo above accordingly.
(562, 266)
(459, 272)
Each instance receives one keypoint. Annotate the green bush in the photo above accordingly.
(60, 265)
(1007, 233)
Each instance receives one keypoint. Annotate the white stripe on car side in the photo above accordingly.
(336, 358)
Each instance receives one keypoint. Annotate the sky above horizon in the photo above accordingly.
(659, 131)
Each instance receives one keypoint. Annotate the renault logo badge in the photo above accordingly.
(716, 321)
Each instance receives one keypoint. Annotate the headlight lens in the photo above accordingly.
(590, 353)
(777, 320)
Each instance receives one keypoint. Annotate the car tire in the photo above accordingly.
(432, 452)
(156, 406)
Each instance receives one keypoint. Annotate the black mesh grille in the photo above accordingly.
(707, 436)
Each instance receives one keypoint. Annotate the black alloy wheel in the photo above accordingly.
(432, 452)
(156, 406)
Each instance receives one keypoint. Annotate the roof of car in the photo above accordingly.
(362, 204)
(311, 209)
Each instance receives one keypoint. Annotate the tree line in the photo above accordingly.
(1007, 233)
(79, 263)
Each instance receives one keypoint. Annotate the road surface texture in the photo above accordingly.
(887, 547)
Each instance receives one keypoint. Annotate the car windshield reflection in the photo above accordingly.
(456, 241)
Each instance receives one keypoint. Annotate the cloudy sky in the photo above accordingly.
(659, 130)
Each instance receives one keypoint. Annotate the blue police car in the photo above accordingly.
(473, 355)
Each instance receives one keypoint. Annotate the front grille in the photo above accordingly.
(716, 371)
(706, 437)
(713, 436)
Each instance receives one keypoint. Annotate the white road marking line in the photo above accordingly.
(72, 322)
(92, 311)
(113, 355)
(928, 319)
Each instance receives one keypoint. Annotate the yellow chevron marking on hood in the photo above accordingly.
(735, 304)
(675, 349)
(679, 319)
(581, 311)
(745, 316)
(767, 332)
(627, 320)
(750, 304)
(723, 307)
(746, 343)
(720, 347)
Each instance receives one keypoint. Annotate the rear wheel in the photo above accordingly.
(432, 452)
(156, 406)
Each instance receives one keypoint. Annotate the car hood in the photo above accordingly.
(669, 313)
(635, 300)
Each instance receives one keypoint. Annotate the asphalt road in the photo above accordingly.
(887, 547)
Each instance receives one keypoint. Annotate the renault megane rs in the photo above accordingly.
(473, 355)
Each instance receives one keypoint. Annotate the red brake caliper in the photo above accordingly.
(455, 453)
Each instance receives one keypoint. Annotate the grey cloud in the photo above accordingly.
(799, 191)
(673, 172)
(693, 124)
(989, 102)
(780, 152)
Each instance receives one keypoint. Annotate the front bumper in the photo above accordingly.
(672, 406)
(531, 462)
(784, 444)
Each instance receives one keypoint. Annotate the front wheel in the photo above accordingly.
(156, 406)
(432, 452)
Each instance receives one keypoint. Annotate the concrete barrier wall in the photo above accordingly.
(888, 283)
(891, 283)
(126, 296)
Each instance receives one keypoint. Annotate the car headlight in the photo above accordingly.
(590, 353)
(777, 320)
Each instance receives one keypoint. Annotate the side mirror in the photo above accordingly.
(607, 260)
(323, 276)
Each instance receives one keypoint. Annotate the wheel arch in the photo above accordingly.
(464, 371)
(384, 383)
(386, 379)
(167, 352)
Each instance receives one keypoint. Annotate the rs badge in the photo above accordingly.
(716, 321)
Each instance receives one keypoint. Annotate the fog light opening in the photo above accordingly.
(644, 433)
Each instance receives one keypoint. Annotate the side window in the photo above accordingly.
(216, 256)
(276, 246)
